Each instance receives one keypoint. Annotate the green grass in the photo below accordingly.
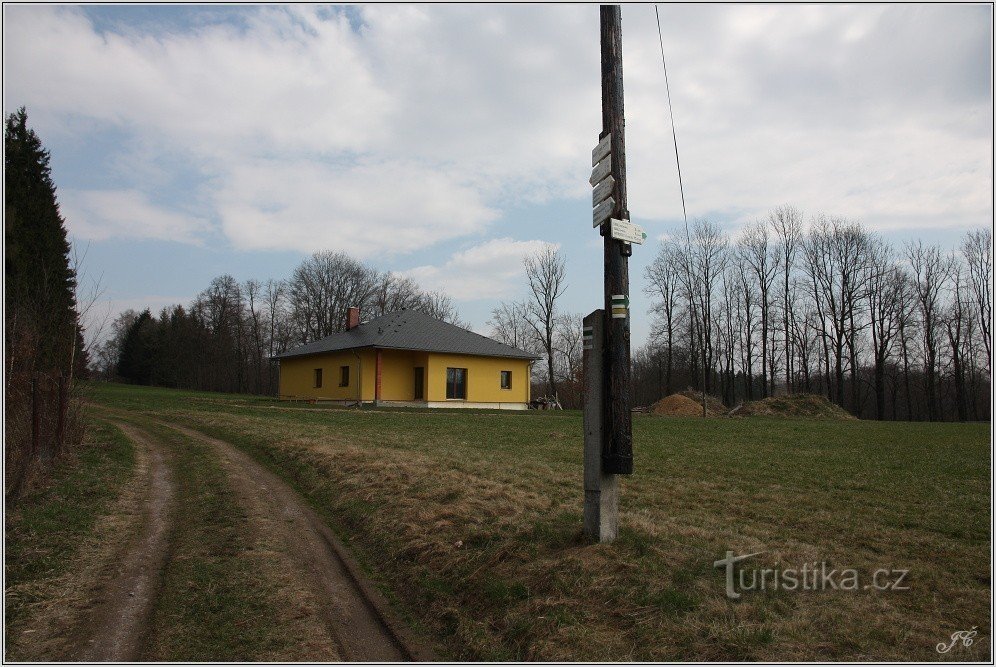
(472, 520)
(47, 527)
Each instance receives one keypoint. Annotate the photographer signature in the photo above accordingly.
(966, 637)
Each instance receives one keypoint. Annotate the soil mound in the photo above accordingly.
(714, 406)
(808, 406)
(676, 405)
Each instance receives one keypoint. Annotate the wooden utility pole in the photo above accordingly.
(617, 452)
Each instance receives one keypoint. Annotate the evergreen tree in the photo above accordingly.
(42, 327)
(139, 350)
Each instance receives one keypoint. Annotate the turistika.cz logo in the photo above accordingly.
(815, 576)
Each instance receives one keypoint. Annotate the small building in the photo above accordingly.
(407, 358)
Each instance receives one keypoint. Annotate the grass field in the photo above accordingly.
(471, 523)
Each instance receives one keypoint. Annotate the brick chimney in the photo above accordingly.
(352, 318)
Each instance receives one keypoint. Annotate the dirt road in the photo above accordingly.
(353, 611)
(119, 622)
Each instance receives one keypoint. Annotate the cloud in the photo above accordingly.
(408, 125)
(490, 270)
(367, 210)
(126, 214)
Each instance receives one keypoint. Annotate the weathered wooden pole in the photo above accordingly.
(617, 452)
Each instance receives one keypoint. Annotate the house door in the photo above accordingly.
(419, 383)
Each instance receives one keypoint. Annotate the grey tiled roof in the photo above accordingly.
(410, 330)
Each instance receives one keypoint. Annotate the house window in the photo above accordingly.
(318, 378)
(506, 379)
(344, 376)
(456, 383)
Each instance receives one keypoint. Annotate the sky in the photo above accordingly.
(446, 142)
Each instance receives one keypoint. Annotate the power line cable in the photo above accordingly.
(681, 187)
(674, 134)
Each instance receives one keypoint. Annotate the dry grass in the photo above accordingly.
(472, 522)
(62, 542)
(809, 406)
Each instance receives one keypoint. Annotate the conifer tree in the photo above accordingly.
(42, 324)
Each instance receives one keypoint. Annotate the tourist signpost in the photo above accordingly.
(608, 403)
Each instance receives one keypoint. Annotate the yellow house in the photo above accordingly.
(407, 358)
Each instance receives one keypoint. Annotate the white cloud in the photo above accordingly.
(126, 214)
(367, 210)
(490, 270)
(427, 121)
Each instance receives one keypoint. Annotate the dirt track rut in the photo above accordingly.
(120, 620)
(363, 629)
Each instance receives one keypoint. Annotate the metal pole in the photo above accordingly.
(617, 452)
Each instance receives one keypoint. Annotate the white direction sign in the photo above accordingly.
(602, 212)
(601, 150)
(602, 190)
(601, 170)
(624, 230)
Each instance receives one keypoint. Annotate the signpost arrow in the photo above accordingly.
(601, 170)
(602, 190)
(602, 212)
(624, 230)
(601, 150)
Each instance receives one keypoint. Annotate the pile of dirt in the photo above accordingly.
(808, 406)
(677, 405)
(714, 406)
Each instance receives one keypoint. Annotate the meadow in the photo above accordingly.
(470, 522)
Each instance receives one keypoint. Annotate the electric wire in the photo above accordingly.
(681, 186)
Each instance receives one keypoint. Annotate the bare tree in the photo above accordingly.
(663, 285)
(706, 262)
(546, 275)
(323, 288)
(954, 316)
(977, 249)
(755, 251)
(884, 295)
(787, 223)
(509, 324)
(930, 272)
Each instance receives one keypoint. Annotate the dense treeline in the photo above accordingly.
(885, 332)
(41, 328)
(224, 340)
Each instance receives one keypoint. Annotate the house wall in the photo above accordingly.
(398, 377)
(297, 376)
(483, 379)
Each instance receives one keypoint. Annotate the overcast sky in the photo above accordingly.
(447, 141)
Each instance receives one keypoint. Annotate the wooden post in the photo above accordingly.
(60, 429)
(601, 488)
(618, 451)
(35, 416)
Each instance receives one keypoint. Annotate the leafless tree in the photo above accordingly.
(663, 286)
(787, 224)
(954, 316)
(885, 283)
(323, 288)
(977, 249)
(509, 325)
(756, 252)
(546, 274)
(930, 271)
(836, 254)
